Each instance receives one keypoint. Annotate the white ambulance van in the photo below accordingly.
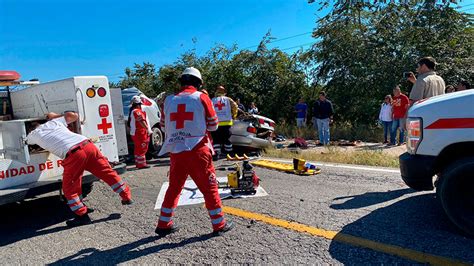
(440, 142)
(27, 170)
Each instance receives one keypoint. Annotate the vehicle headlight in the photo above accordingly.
(414, 133)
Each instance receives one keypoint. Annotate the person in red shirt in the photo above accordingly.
(140, 131)
(187, 118)
(400, 104)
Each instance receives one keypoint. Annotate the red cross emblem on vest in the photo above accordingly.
(219, 105)
(181, 116)
(104, 126)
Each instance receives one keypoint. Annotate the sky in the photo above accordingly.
(56, 39)
(53, 39)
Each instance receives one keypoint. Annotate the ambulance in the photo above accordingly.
(28, 170)
(440, 153)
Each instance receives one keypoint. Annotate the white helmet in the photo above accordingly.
(136, 99)
(193, 72)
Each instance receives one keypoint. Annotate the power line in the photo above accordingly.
(282, 39)
(458, 7)
(297, 46)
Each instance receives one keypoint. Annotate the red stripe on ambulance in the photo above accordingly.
(452, 123)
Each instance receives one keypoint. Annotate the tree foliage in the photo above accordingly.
(362, 49)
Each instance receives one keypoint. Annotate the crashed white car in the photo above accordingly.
(252, 131)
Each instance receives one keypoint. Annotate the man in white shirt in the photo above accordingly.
(78, 154)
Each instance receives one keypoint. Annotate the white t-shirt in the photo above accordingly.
(55, 137)
(386, 112)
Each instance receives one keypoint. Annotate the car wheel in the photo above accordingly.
(156, 138)
(456, 192)
(156, 141)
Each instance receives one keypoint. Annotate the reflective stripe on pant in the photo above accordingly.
(140, 142)
(90, 159)
(222, 137)
(197, 164)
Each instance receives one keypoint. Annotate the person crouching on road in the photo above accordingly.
(140, 131)
(226, 110)
(78, 154)
(188, 116)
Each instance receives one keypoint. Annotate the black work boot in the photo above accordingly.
(79, 220)
(166, 231)
(127, 202)
(227, 227)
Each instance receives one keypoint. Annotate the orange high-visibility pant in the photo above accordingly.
(89, 158)
(140, 142)
(196, 163)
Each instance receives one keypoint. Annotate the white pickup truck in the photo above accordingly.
(440, 142)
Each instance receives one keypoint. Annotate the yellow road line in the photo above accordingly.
(347, 239)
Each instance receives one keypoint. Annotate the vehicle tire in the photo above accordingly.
(156, 141)
(456, 192)
(87, 189)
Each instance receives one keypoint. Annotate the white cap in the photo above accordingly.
(136, 99)
(193, 72)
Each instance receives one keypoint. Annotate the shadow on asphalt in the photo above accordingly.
(369, 198)
(130, 251)
(417, 223)
(29, 219)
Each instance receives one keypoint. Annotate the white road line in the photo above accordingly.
(344, 166)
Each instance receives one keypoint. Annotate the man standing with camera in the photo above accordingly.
(427, 84)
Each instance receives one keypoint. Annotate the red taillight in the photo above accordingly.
(145, 101)
(101, 92)
(272, 124)
(103, 110)
(261, 121)
(252, 130)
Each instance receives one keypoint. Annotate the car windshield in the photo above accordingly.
(127, 95)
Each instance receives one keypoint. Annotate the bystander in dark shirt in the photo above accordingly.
(322, 109)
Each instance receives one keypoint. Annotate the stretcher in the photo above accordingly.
(285, 167)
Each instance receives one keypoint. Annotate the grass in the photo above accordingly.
(338, 155)
(346, 131)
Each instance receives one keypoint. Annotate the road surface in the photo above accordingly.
(345, 215)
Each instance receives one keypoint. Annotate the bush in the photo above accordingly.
(339, 131)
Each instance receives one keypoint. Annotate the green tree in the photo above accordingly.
(364, 48)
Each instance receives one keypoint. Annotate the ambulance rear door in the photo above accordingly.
(13, 134)
(119, 121)
(96, 115)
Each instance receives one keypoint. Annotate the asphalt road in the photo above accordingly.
(371, 205)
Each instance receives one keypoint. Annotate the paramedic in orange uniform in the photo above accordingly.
(187, 117)
(140, 131)
(78, 154)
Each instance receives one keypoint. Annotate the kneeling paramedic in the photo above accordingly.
(78, 154)
(187, 118)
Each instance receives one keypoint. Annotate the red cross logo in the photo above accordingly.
(181, 116)
(219, 105)
(104, 126)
